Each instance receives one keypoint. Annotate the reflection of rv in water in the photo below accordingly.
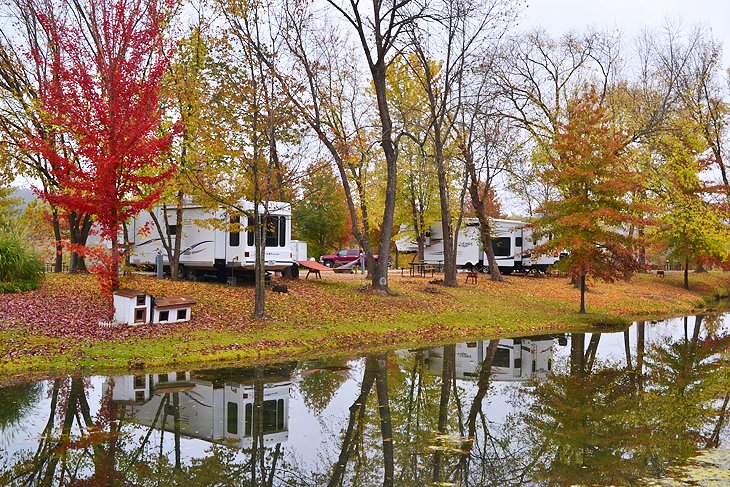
(211, 406)
(516, 359)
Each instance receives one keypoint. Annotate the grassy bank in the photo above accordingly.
(54, 329)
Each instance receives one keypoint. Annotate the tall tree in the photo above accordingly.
(188, 93)
(259, 119)
(589, 218)
(458, 38)
(417, 183)
(103, 95)
(326, 60)
(689, 225)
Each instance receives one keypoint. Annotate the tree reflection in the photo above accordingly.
(611, 424)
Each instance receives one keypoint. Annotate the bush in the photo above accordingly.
(20, 267)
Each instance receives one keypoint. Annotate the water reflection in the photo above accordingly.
(602, 408)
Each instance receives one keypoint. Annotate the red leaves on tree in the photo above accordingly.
(107, 61)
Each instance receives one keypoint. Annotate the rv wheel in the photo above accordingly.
(191, 275)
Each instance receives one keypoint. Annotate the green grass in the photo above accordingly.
(363, 323)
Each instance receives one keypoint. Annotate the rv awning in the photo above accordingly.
(176, 302)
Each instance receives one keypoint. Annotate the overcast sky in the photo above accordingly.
(631, 16)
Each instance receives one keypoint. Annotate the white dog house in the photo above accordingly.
(172, 310)
(132, 307)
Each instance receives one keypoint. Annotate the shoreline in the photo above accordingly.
(53, 330)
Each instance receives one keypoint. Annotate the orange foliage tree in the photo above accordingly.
(587, 164)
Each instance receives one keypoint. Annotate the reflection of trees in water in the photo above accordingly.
(71, 441)
(16, 402)
(607, 423)
(320, 381)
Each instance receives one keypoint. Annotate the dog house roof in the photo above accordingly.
(175, 302)
(128, 293)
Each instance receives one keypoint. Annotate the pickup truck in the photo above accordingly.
(344, 256)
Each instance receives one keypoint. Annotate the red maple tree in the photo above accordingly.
(103, 97)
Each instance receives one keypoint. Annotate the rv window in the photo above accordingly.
(275, 235)
(273, 415)
(172, 230)
(249, 418)
(249, 238)
(232, 420)
(501, 246)
(518, 241)
(282, 231)
(234, 238)
(501, 358)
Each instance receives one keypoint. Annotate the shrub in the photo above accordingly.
(20, 267)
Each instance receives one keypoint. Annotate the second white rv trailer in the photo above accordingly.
(512, 243)
(205, 248)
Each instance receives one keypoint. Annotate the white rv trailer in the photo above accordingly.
(208, 249)
(512, 243)
(211, 410)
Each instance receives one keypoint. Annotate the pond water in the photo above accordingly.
(595, 409)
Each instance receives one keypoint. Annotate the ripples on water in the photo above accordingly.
(609, 408)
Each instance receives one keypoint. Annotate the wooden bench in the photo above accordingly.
(473, 276)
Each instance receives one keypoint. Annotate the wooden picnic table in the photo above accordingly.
(420, 268)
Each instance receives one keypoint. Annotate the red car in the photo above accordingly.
(344, 256)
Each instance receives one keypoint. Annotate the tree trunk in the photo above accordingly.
(113, 273)
(642, 248)
(640, 345)
(127, 244)
(175, 257)
(259, 269)
(386, 423)
(485, 375)
(577, 356)
(58, 261)
(485, 225)
(357, 411)
(446, 226)
(582, 294)
(380, 274)
(79, 227)
(447, 374)
(686, 272)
